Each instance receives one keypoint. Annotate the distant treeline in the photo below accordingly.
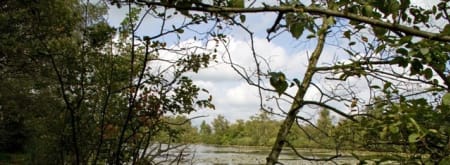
(259, 130)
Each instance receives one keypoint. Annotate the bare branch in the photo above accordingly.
(330, 108)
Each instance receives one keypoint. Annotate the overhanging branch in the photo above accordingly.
(312, 10)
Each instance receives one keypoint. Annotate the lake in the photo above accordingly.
(247, 155)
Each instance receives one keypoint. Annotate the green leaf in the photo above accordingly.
(384, 132)
(413, 137)
(180, 31)
(242, 18)
(433, 131)
(330, 20)
(446, 99)
(297, 82)
(405, 39)
(296, 29)
(236, 3)
(394, 129)
(414, 122)
(380, 48)
(446, 30)
(379, 32)
(310, 36)
(416, 66)
(375, 87)
(428, 73)
(367, 10)
(394, 7)
(278, 81)
(347, 34)
(387, 85)
(402, 51)
(424, 51)
(445, 161)
(401, 61)
(281, 88)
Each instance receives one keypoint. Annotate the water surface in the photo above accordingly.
(245, 155)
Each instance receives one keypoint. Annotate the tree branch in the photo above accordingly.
(312, 10)
(330, 108)
(299, 96)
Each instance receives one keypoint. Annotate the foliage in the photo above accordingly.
(256, 131)
(410, 127)
(71, 94)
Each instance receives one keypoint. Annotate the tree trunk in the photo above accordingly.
(298, 100)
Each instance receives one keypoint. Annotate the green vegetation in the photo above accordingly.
(259, 130)
(75, 90)
(412, 130)
(387, 133)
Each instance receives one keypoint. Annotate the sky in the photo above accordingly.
(232, 96)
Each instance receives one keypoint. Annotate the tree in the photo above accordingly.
(13, 129)
(411, 127)
(27, 29)
(179, 130)
(145, 95)
(205, 132)
(324, 122)
(322, 133)
(221, 127)
(260, 129)
(239, 133)
(84, 97)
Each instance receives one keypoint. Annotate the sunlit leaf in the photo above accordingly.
(446, 99)
(367, 10)
(446, 30)
(394, 129)
(412, 138)
(424, 51)
(236, 3)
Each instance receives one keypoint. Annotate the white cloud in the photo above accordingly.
(216, 73)
(234, 98)
(242, 95)
(427, 4)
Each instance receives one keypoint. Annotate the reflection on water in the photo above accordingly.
(244, 155)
